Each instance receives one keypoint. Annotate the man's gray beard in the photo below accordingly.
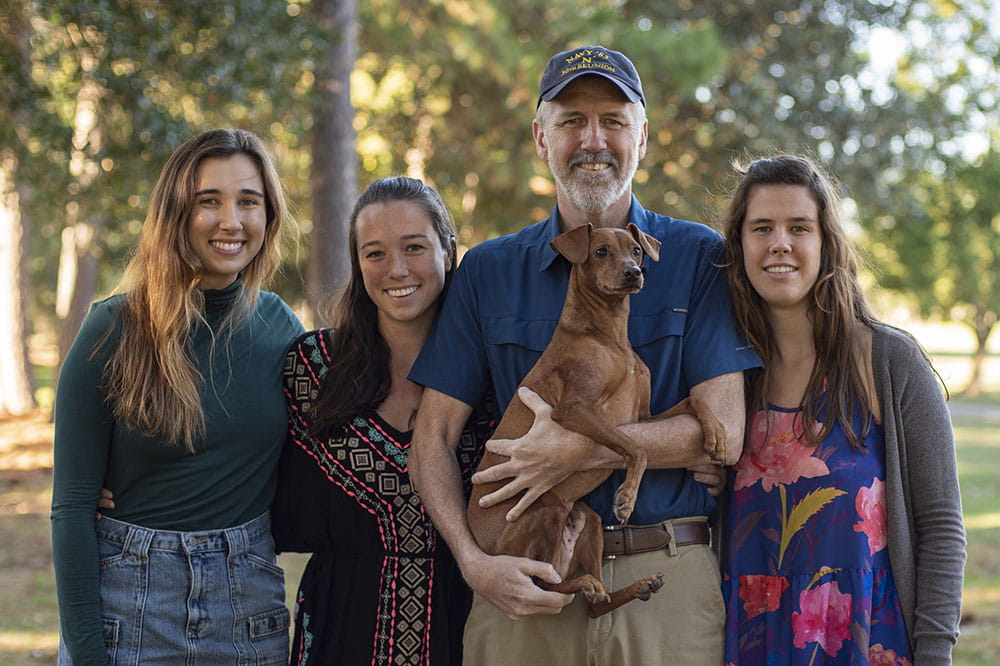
(594, 197)
(590, 199)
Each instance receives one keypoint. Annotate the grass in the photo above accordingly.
(28, 612)
(29, 615)
(979, 472)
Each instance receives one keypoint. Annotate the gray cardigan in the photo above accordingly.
(926, 533)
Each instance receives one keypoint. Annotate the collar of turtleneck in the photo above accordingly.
(220, 300)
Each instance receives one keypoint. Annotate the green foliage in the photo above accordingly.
(163, 72)
(947, 255)
(445, 90)
(452, 100)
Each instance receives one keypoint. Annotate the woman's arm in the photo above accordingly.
(83, 429)
(927, 450)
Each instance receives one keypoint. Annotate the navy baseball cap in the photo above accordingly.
(569, 65)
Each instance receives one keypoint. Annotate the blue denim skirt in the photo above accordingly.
(215, 597)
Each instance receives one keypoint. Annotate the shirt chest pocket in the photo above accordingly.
(644, 329)
(649, 329)
(530, 335)
(514, 345)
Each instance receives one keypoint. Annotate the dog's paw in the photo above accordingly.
(624, 504)
(593, 589)
(650, 586)
(596, 596)
(715, 436)
(716, 448)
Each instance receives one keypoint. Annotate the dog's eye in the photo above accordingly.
(601, 252)
(636, 252)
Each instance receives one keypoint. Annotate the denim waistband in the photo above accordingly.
(138, 540)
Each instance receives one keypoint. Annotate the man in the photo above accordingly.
(499, 314)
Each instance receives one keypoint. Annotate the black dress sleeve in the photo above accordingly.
(293, 524)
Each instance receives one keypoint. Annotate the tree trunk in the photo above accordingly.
(981, 326)
(16, 378)
(17, 381)
(334, 180)
(78, 266)
(78, 261)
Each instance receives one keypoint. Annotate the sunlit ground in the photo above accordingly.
(29, 615)
(39, 645)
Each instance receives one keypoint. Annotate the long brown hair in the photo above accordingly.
(836, 305)
(359, 378)
(151, 379)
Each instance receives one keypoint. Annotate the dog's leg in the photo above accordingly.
(541, 533)
(586, 555)
(641, 589)
(582, 418)
(712, 430)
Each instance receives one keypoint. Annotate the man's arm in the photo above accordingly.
(505, 581)
(678, 441)
(548, 453)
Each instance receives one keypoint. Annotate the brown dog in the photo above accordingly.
(594, 381)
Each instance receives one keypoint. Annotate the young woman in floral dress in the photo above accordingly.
(845, 542)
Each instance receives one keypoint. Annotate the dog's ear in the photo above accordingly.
(649, 245)
(574, 244)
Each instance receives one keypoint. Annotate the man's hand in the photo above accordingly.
(104, 501)
(713, 476)
(507, 583)
(540, 459)
(504, 581)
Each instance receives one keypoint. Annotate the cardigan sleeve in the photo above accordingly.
(926, 444)
(83, 431)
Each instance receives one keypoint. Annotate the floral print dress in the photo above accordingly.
(807, 577)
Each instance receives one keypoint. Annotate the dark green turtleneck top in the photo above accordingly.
(228, 480)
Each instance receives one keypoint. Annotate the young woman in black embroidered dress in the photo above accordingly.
(380, 586)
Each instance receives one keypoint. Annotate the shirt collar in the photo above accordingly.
(550, 229)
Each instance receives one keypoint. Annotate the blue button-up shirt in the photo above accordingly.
(504, 302)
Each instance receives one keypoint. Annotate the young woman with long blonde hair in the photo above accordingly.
(171, 398)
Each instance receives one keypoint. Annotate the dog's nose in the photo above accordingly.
(632, 273)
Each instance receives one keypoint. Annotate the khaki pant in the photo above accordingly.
(682, 624)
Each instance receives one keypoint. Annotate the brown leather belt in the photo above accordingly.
(630, 539)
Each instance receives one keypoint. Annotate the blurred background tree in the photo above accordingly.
(946, 255)
(895, 98)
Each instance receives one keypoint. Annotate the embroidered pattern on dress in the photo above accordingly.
(307, 636)
(368, 464)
